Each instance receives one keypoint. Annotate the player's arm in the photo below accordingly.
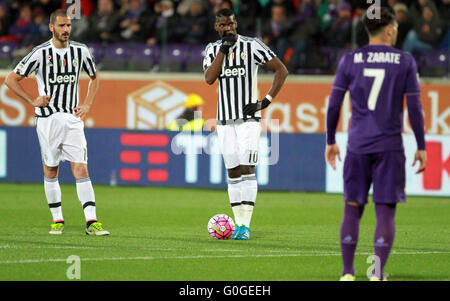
(83, 109)
(12, 81)
(280, 74)
(417, 124)
(415, 114)
(334, 107)
(213, 71)
(339, 88)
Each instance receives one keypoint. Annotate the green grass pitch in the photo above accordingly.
(160, 234)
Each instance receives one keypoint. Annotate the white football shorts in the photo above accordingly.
(239, 143)
(61, 137)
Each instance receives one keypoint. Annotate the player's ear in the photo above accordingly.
(50, 27)
(390, 29)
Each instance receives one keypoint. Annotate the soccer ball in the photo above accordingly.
(221, 226)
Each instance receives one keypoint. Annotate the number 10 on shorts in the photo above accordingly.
(253, 157)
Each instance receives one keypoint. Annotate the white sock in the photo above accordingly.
(249, 188)
(86, 196)
(235, 196)
(53, 195)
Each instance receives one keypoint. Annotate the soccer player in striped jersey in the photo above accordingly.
(59, 115)
(233, 61)
(378, 77)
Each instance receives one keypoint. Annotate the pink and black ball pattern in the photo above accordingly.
(221, 226)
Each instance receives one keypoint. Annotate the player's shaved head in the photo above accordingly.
(224, 12)
(375, 25)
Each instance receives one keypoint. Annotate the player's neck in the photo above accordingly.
(58, 44)
(378, 41)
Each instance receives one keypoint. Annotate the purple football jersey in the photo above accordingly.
(378, 77)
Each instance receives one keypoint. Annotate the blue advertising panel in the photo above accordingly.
(163, 158)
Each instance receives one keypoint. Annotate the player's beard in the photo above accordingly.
(63, 37)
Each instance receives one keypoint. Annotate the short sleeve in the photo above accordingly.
(88, 62)
(28, 64)
(209, 56)
(341, 80)
(412, 85)
(261, 53)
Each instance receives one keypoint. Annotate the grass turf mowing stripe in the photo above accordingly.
(211, 256)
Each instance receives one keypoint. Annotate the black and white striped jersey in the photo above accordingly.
(238, 79)
(57, 74)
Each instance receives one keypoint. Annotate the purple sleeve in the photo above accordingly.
(334, 109)
(415, 113)
(412, 80)
(340, 86)
(341, 79)
(416, 119)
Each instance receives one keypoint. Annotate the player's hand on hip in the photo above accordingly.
(252, 108)
(82, 110)
(41, 101)
(331, 152)
(421, 156)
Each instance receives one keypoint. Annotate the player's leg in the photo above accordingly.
(349, 234)
(74, 150)
(357, 181)
(53, 195)
(50, 136)
(86, 195)
(249, 193)
(228, 147)
(384, 236)
(248, 134)
(388, 190)
(235, 196)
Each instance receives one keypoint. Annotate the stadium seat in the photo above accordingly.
(116, 56)
(435, 63)
(194, 59)
(174, 58)
(6, 50)
(96, 50)
(144, 57)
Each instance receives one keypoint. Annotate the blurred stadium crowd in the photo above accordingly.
(170, 35)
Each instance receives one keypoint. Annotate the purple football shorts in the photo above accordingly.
(385, 170)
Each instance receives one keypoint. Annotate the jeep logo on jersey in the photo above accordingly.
(65, 78)
(235, 71)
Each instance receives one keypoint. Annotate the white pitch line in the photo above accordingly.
(78, 247)
(105, 247)
(210, 256)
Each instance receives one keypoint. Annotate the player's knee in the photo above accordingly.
(234, 172)
(50, 172)
(80, 171)
(247, 169)
(354, 204)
